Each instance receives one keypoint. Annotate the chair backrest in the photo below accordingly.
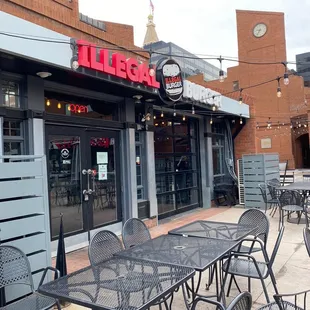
(255, 217)
(272, 184)
(103, 246)
(263, 190)
(15, 267)
(242, 302)
(307, 239)
(276, 246)
(135, 232)
(290, 198)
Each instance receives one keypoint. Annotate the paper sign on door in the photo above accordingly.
(102, 172)
(102, 158)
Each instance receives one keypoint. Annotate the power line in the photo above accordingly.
(119, 48)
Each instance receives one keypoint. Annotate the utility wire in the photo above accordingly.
(119, 48)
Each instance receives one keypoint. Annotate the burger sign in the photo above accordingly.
(171, 82)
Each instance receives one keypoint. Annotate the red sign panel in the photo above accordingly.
(75, 108)
(121, 67)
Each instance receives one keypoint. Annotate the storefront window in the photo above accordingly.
(176, 164)
(140, 165)
(10, 93)
(12, 137)
(81, 107)
(218, 143)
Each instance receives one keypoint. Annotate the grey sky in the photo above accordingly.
(203, 26)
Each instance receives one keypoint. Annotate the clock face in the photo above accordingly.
(260, 30)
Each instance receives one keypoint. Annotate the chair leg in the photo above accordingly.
(237, 284)
(249, 285)
(58, 305)
(265, 290)
(229, 285)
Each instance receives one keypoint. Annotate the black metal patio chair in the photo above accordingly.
(135, 232)
(290, 202)
(242, 302)
(307, 239)
(282, 303)
(274, 193)
(245, 265)
(268, 200)
(258, 219)
(103, 246)
(15, 270)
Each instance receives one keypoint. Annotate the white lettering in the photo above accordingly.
(201, 94)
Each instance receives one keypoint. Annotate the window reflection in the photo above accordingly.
(175, 143)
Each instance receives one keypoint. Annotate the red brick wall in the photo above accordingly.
(263, 100)
(63, 16)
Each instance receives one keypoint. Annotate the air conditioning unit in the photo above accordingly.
(240, 181)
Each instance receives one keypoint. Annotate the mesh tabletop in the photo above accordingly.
(198, 253)
(296, 186)
(119, 284)
(216, 230)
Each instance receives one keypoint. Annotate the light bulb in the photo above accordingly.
(241, 122)
(174, 113)
(286, 80)
(152, 72)
(59, 105)
(305, 125)
(211, 121)
(183, 118)
(69, 109)
(154, 116)
(214, 107)
(75, 65)
(279, 93)
(291, 126)
(221, 76)
(162, 114)
(240, 100)
(193, 110)
(48, 103)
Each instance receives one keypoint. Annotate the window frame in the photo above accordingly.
(141, 144)
(218, 131)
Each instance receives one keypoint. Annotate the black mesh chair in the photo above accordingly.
(281, 302)
(272, 188)
(15, 270)
(254, 217)
(307, 239)
(242, 302)
(103, 246)
(290, 202)
(268, 200)
(245, 265)
(135, 232)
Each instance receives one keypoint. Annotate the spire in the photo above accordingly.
(151, 35)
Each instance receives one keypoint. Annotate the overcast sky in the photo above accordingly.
(203, 26)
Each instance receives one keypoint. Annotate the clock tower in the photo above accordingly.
(261, 35)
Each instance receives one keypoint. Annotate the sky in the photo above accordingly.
(203, 26)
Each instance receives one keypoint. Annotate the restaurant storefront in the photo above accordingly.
(90, 122)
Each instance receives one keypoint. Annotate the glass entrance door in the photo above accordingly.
(105, 184)
(84, 184)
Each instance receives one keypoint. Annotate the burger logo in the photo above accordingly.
(170, 75)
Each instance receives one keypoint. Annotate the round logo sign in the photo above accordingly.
(65, 153)
(169, 75)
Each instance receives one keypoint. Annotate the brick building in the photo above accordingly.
(264, 104)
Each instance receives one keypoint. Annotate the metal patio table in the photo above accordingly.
(195, 252)
(214, 230)
(304, 188)
(119, 283)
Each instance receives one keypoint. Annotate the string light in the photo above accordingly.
(162, 113)
(48, 103)
(286, 80)
(211, 120)
(154, 116)
(174, 111)
(59, 105)
(183, 118)
(279, 93)
(240, 97)
(241, 121)
(193, 109)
